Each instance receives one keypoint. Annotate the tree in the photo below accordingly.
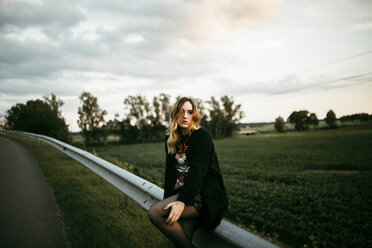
(299, 119)
(160, 115)
(140, 115)
(204, 122)
(232, 114)
(146, 122)
(302, 120)
(114, 126)
(216, 118)
(3, 123)
(165, 108)
(54, 104)
(139, 109)
(37, 116)
(128, 132)
(331, 119)
(279, 124)
(91, 120)
(223, 122)
(313, 120)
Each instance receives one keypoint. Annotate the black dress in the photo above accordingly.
(203, 176)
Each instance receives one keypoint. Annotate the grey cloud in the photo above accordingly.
(163, 25)
(32, 87)
(151, 9)
(53, 17)
(108, 53)
(77, 47)
(31, 60)
(17, 52)
(190, 20)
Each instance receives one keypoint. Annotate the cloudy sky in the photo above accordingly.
(271, 56)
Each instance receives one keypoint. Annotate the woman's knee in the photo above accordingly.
(151, 213)
(154, 213)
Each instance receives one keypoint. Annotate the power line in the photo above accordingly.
(329, 82)
(353, 77)
(368, 80)
(334, 62)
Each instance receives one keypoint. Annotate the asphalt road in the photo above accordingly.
(28, 213)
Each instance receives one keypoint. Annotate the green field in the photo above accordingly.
(310, 189)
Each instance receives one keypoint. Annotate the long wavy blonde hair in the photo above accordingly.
(174, 130)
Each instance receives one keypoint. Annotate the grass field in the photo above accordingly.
(309, 189)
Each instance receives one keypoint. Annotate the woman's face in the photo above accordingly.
(186, 118)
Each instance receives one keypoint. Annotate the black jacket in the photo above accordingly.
(204, 177)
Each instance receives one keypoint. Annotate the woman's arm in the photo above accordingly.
(168, 173)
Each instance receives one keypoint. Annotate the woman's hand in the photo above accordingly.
(176, 211)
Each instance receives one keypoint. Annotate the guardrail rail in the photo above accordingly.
(146, 194)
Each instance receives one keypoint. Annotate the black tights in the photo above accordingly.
(180, 232)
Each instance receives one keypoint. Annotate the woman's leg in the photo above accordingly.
(181, 231)
(188, 226)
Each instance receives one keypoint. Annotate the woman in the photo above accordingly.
(194, 192)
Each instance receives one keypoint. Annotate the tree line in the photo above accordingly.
(360, 117)
(145, 121)
(38, 116)
(303, 119)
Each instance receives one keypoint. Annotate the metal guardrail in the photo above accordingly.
(146, 194)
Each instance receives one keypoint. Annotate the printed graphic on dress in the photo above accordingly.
(181, 165)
